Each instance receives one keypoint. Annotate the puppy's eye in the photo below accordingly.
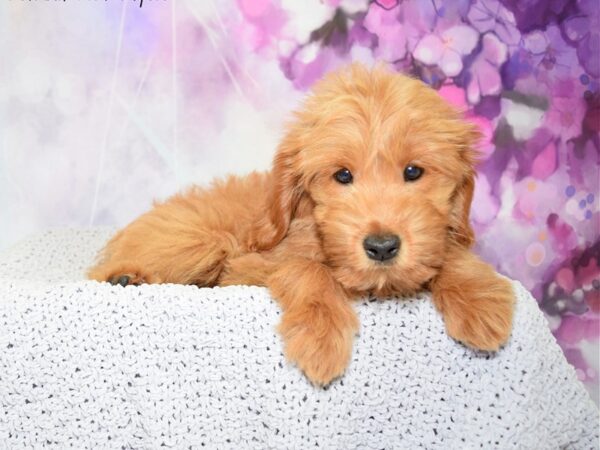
(343, 176)
(412, 173)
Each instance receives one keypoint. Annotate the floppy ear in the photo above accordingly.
(285, 192)
(460, 226)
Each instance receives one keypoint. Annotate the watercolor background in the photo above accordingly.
(105, 105)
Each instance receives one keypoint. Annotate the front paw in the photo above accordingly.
(123, 274)
(130, 279)
(319, 344)
(478, 316)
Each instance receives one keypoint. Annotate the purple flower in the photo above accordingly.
(536, 14)
(485, 70)
(452, 12)
(447, 48)
(491, 15)
(552, 57)
(309, 63)
(583, 30)
(520, 65)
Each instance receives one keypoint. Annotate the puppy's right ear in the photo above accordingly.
(285, 192)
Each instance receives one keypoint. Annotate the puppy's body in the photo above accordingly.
(193, 239)
(370, 192)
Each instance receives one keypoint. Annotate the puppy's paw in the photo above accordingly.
(124, 274)
(480, 318)
(129, 279)
(320, 345)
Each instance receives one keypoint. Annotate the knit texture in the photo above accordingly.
(90, 365)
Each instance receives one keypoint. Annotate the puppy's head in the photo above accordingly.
(388, 166)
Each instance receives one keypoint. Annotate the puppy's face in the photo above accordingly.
(387, 165)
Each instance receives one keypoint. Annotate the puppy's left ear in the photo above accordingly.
(460, 226)
(461, 231)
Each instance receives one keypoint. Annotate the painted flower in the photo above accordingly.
(485, 70)
(456, 96)
(545, 162)
(338, 41)
(491, 15)
(520, 66)
(309, 63)
(583, 30)
(450, 13)
(418, 20)
(387, 4)
(536, 14)
(383, 22)
(447, 48)
(552, 57)
(399, 26)
(566, 112)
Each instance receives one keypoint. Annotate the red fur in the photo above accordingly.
(299, 232)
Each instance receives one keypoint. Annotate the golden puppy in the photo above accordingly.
(370, 193)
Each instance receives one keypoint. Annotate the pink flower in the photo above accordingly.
(545, 162)
(567, 110)
(387, 4)
(447, 49)
(485, 70)
(455, 96)
(384, 23)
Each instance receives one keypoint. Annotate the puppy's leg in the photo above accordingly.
(318, 323)
(173, 243)
(249, 269)
(476, 303)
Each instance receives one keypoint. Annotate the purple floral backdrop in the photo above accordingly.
(116, 98)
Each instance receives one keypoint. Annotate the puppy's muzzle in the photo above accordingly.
(381, 247)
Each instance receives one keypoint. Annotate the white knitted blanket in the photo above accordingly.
(90, 365)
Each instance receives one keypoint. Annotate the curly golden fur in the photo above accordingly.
(302, 233)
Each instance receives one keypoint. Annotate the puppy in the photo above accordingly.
(370, 192)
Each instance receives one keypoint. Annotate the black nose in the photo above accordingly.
(381, 248)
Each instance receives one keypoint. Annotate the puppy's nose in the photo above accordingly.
(381, 247)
